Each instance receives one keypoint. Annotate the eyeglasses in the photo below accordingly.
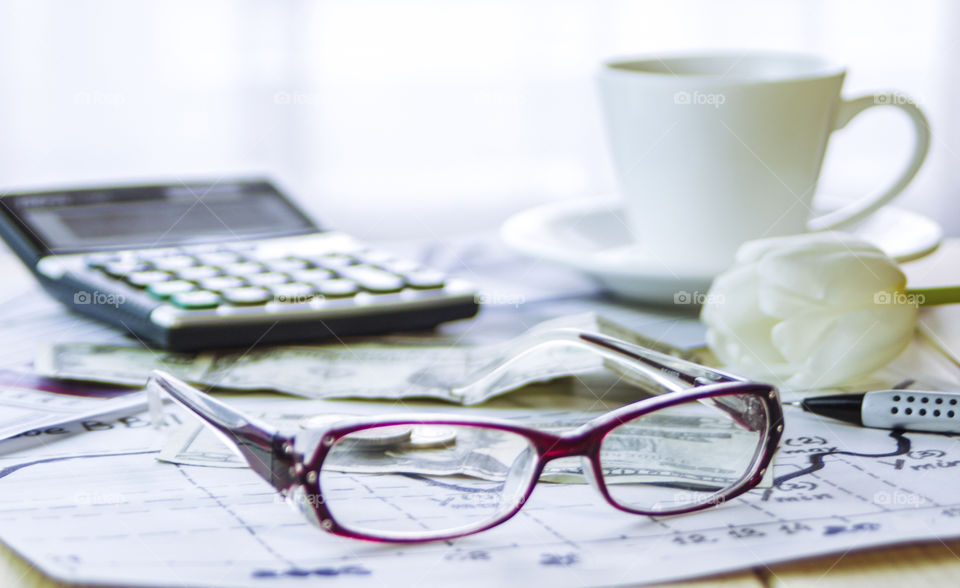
(413, 478)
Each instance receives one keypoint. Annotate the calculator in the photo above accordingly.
(219, 264)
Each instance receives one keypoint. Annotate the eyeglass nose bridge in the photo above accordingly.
(582, 444)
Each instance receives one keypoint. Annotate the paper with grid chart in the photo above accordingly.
(98, 507)
(24, 410)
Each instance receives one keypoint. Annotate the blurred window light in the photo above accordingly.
(423, 113)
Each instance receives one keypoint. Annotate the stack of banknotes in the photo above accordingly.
(358, 370)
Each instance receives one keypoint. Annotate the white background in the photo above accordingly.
(406, 118)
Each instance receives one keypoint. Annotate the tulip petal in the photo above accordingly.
(817, 278)
(782, 303)
(798, 337)
(858, 280)
(807, 244)
(738, 332)
(857, 344)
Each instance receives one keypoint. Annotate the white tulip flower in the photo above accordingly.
(810, 311)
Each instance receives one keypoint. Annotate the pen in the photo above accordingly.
(911, 410)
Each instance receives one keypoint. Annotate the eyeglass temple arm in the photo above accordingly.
(686, 371)
(666, 371)
(260, 444)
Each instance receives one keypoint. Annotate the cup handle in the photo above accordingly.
(865, 206)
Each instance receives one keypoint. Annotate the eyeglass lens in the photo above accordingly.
(423, 480)
(684, 455)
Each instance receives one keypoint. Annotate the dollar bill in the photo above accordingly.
(117, 364)
(464, 374)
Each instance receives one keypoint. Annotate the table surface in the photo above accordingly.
(929, 564)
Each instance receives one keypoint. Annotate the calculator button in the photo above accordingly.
(333, 260)
(198, 272)
(164, 290)
(221, 283)
(99, 260)
(174, 262)
(267, 279)
(425, 280)
(119, 269)
(312, 275)
(293, 293)
(243, 268)
(372, 279)
(219, 258)
(196, 300)
(337, 287)
(249, 295)
(400, 266)
(286, 265)
(144, 278)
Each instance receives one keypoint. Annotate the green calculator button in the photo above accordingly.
(196, 300)
(164, 290)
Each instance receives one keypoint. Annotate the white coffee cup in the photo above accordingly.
(714, 150)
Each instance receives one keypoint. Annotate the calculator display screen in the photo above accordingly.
(155, 216)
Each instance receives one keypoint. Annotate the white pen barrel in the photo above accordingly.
(936, 412)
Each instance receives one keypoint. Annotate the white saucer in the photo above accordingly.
(591, 236)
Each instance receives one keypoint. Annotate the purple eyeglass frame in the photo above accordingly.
(291, 464)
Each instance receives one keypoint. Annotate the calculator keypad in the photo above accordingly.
(236, 276)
